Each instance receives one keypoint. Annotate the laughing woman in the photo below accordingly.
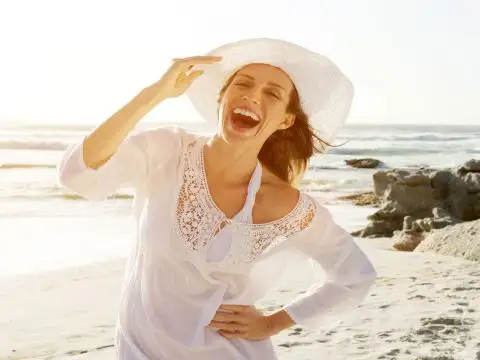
(219, 217)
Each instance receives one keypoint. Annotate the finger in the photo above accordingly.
(228, 326)
(199, 60)
(236, 308)
(226, 317)
(231, 335)
(193, 75)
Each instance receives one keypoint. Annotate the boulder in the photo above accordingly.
(470, 166)
(364, 163)
(407, 241)
(461, 240)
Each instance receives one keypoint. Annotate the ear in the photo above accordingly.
(287, 122)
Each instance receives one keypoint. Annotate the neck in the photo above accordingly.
(232, 164)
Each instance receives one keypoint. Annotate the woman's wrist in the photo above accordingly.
(152, 95)
(279, 321)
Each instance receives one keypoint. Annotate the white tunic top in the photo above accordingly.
(188, 258)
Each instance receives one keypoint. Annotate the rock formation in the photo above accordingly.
(418, 201)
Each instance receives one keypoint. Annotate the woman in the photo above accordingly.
(219, 217)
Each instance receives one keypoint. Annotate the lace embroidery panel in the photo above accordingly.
(198, 218)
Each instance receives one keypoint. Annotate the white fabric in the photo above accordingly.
(222, 241)
(326, 94)
(178, 273)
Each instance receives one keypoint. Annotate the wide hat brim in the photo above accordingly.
(326, 94)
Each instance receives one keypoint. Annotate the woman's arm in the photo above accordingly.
(108, 157)
(349, 277)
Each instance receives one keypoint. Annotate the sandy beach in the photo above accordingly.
(423, 307)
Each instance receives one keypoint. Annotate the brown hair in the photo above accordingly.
(286, 153)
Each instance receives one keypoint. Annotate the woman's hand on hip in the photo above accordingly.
(242, 322)
(180, 76)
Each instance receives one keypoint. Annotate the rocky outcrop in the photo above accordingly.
(364, 163)
(418, 201)
(462, 240)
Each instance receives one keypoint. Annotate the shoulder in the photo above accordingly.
(162, 144)
(308, 214)
(275, 199)
(321, 216)
(280, 199)
(323, 229)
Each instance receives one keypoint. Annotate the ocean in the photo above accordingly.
(45, 227)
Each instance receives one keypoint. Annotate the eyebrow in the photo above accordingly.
(269, 83)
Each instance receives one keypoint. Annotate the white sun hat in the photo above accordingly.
(326, 94)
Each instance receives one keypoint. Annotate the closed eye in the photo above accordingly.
(242, 84)
(273, 94)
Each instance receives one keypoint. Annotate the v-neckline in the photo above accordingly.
(201, 143)
(252, 186)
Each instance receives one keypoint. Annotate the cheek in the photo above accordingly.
(276, 115)
(231, 93)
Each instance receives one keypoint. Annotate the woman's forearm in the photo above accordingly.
(104, 141)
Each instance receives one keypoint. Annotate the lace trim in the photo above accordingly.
(199, 219)
(261, 238)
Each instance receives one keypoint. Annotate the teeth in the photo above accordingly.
(246, 113)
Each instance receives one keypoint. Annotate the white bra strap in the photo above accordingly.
(255, 181)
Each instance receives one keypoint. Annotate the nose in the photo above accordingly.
(253, 99)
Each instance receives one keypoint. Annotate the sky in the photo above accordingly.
(77, 62)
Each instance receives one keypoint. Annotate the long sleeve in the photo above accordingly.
(349, 275)
(128, 166)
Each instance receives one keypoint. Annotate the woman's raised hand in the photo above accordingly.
(181, 75)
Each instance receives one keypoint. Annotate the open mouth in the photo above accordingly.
(244, 118)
